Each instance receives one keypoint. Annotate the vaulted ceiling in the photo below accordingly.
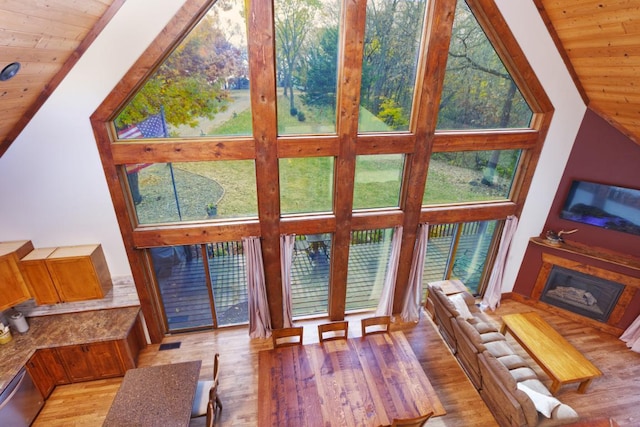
(599, 40)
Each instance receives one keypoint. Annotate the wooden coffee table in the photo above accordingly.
(555, 355)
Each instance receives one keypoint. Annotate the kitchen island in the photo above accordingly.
(80, 344)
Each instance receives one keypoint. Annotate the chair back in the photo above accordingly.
(216, 367)
(333, 331)
(210, 415)
(285, 337)
(375, 325)
(412, 422)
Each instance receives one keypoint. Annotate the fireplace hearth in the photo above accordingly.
(580, 293)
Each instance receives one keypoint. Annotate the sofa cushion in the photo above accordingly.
(523, 374)
(499, 348)
(461, 306)
(543, 403)
(491, 336)
(444, 301)
(512, 361)
(484, 327)
(474, 337)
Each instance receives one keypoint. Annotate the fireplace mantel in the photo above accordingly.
(591, 252)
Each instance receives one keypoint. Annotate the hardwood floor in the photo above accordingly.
(612, 395)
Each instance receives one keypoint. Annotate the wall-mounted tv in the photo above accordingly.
(606, 206)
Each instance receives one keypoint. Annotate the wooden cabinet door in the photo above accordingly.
(13, 288)
(91, 361)
(37, 276)
(38, 370)
(79, 272)
(105, 359)
(47, 370)
(76, 363)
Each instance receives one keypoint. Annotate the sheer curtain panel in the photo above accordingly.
(259, 317)
(286, 259)
(493, 293)
(385, 306)
(411, 306)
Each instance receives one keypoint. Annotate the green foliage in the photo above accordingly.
(392, 114)
(478, 92)
(322, 70)
(301, 116)
(190, 84)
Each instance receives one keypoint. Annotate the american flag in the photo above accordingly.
(151, 127)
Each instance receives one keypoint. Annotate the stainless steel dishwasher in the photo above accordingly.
(20, 401)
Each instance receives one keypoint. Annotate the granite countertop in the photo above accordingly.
(155, 395)
(61, 330)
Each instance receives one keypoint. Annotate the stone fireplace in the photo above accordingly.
(580, 293)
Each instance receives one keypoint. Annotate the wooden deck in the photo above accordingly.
(185, 292)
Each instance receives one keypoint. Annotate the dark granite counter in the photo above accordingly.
(155, 396)
(62, 330)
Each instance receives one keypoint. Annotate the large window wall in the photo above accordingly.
(324, 119)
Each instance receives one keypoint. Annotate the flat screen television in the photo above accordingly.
(606, 206)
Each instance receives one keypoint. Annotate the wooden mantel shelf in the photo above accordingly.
(591, 252)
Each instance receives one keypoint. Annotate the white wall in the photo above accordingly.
(527, 26)
(53, 189)
(52, 185)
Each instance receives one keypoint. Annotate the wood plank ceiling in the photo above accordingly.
(600, 41)
(47, 37)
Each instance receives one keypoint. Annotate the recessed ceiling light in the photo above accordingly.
(9, 71)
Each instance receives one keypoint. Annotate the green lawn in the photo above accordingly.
(306, 184)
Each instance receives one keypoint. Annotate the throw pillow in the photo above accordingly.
(543, 403)
(460, 304)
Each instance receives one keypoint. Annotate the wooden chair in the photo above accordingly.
(207, 392)
(375, 325)
(411, 422)
(285, 337)
(333, 331)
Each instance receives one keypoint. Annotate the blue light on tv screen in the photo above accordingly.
(605, 206)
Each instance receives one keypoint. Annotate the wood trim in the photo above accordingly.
(158, 151)
(449, 141)
(60, 75)
(347, 104)
(261, 35)
(593, 252)
(148, 237)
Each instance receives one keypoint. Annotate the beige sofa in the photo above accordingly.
(503, 378)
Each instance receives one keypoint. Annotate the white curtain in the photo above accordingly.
(411, 305)
(632, 335)
(259, 318)
(494, 289)
(385, 306)
(286, 259)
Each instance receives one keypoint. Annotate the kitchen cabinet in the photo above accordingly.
(47, 370)
(50, 367)
(13, 287)
(91, 361)
(38, 278)
(79, 273)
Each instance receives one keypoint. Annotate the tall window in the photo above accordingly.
(334, 121)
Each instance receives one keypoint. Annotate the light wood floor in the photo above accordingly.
(615, 394)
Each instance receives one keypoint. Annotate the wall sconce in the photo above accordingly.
(9, 71)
